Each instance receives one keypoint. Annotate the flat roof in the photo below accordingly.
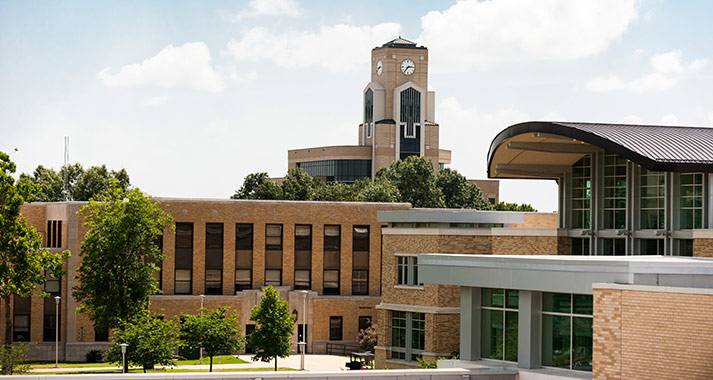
(565, 274)
(429, 215)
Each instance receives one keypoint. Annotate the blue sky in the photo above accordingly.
(190, 96)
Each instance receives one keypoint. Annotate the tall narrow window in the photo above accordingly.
(214, 258)
(54, 234)
(360, 260)
(652, 195)
(368, 111)
(408, 335)
(410, 112)
(581, 192)
(53, 286)
(691, 201)
(332, 259)
(273, 254)
(335, 328)
(303, 256)
(580, 246)
(21, 319)
(499, 324)
(243, 256)
(567, 331)
(614, 192)
(184, 258)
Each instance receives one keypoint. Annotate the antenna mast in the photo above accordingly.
(65, 189)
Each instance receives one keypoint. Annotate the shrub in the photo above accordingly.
(94, 356)
(12, 358)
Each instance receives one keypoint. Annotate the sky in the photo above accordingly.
(191, 96)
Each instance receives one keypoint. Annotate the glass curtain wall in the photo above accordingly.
(614, 192)
(652, 200)
(499, 324)
(582, 193)
(690, 191)
(567, 331)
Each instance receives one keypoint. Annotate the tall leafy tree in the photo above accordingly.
(299, 186)
(81, 185)
(415, 180)
(151, 339)
(119, 255)
(504, 206)
(216, 331)
(275, 326)
(24, 264)
(381, 190)
(258, 186)
(454, 188)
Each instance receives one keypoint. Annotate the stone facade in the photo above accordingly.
(651, 333)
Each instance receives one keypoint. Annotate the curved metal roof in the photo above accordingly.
(659, 148)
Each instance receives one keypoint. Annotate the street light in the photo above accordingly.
(303, 343)
(123, 357)
(56, 331)
(201, 349)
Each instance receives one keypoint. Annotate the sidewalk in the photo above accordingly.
(312, 363)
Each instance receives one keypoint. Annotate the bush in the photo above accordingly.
(94, 356)
(12, 358)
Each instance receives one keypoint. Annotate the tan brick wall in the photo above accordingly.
(349, 310)
(525, 245)
(538, 220)
(703, 247)
(662, 335)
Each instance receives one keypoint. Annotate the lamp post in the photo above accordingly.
(201, 349)
(56, 331)
(303, 343)
(123, 357)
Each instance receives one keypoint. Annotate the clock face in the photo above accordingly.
(379, 67)
(408, 67)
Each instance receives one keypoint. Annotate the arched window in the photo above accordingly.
(368, 111)
(410, 111)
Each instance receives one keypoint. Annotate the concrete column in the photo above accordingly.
(469, 323)
(528, 336)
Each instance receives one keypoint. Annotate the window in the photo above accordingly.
(303, 256)
(567, 331)
(360, 260)
(651, 246)
(685, 247)
(21, 319)
(499, 324)
(614, 192)
(53, 286)
(273, 254)
(335, 328)
(332, 259)
(613, 247)
(580, 246)
(407, 272)
(184, 258)
(364, 322)
(214, 258)
(691, 201)
(54, 234)
(368, 111)
(243, 256)
(410, 112)
(408, 335)
(344, 171)
(581, 192)
(652, 194)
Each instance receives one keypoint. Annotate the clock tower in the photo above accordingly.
(398, 106)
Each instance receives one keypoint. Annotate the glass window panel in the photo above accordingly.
(213, 281)
(583, 304)
(491, 334)
(492, 297)
(273, 277)
(303, 259)
(331, 260)
(302, 279)
(361, 238)
(182, 281)
(244, 236)
(184, 235)
(360, 260)
(511, 302)
(556, 341)
(243, 279)
(273, 259)
(582, 344)
(335, 328)
(360, 282)
(331, 281)
(244, 259)
(557, 302)
(511, 331)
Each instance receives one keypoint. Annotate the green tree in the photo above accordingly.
(258, 186)
(275, 326)
(335, 192)
(152, 340)
(215, 330)
(82, 185)
(503, 206)
(415, 180)
(299, 186)
(475, 199)
(24, 264)
(381, 190)
(454, 188)
(119, 255)
(49, 182)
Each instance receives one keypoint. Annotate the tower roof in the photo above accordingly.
(400, 43)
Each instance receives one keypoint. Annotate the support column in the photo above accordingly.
(528, 335)
(469, 323)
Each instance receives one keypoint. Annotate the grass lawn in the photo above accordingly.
(98, 371)
(223, 359)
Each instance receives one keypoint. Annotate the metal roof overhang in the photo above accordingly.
(545, 150)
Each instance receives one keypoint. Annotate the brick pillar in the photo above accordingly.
(606, 343)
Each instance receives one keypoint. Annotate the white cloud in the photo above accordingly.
(632, 119)
(242, 78)
(270, 8)
(480, 33)
(667, 72)
(670, 119)
(345, 45)
(155, 101)
(186, 66)
(639, 52)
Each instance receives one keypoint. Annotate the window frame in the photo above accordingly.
(340, 327)
(571, 314)
(408, 352)
(505, 309)
(407, 271)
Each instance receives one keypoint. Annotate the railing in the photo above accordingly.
(343, 349)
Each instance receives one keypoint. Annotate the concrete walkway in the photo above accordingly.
(312, 363)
